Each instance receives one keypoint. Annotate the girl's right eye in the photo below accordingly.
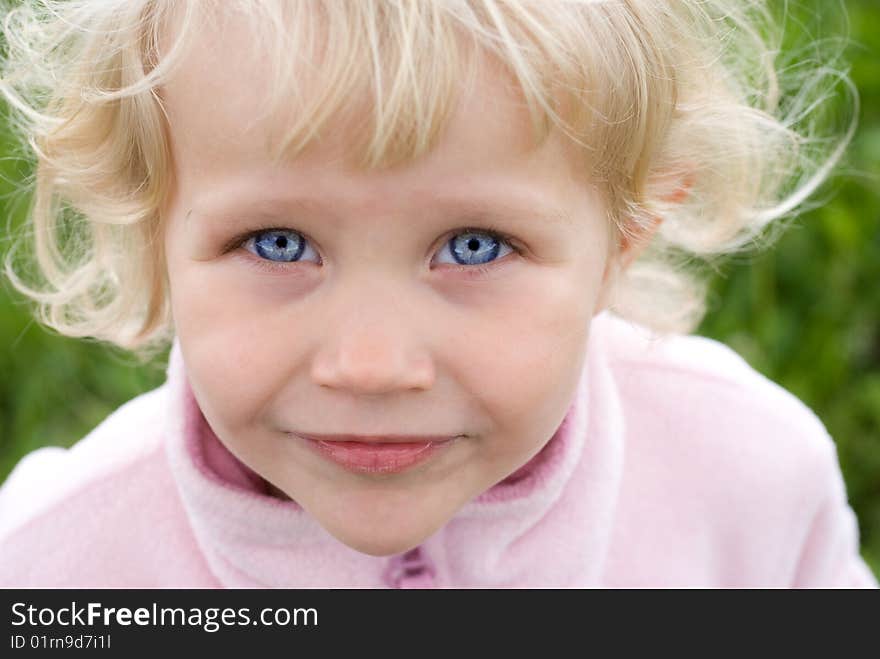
(278, 245)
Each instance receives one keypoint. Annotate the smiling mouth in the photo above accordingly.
(378, 457)
(376, 439)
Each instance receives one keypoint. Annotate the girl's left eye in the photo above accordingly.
(471, 249)
(476, 248)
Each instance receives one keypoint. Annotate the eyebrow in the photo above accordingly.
(524, 206)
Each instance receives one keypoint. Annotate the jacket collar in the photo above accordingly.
(548, 524)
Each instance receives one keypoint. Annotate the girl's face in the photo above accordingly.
(357, 314)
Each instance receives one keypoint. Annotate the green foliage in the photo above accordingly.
(806, 314)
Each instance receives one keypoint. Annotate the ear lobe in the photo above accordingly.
(631, 247)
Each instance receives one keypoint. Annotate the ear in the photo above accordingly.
(633, 244)
(672, 189)
(629, 249)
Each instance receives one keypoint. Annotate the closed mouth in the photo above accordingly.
(377, 457)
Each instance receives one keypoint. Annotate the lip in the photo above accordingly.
(378, 455)
(377, 439)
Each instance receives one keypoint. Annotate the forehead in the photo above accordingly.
(217, 101)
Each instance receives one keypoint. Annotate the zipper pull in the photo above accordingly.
(410, 570)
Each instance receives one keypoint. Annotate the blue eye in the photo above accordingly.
(473, 249)
(278, 245)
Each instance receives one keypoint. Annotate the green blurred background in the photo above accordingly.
(806, 314)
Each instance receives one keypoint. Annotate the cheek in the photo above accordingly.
(523, 356)
(223, 336)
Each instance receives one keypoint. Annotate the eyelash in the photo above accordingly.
(471, 271)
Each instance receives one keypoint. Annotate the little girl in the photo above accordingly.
(423, 269)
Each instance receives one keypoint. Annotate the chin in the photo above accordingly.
(381, 546)
(385, 543)
(380, 525)
(380, 550)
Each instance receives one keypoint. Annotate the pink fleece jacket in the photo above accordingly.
(677, 465)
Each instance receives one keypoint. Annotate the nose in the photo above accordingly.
(380, 356)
